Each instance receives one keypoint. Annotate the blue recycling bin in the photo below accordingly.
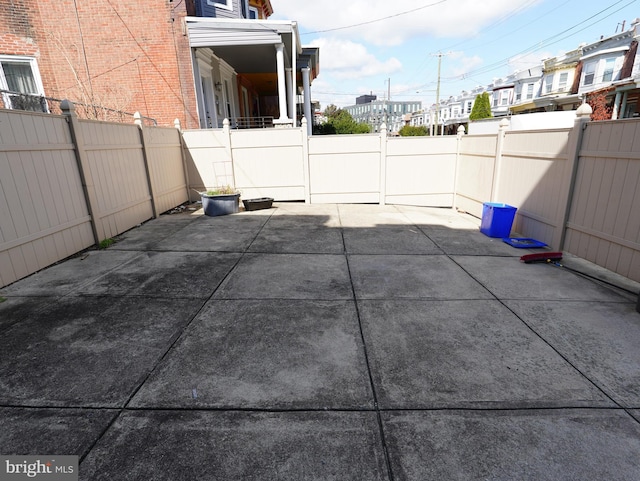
(497, 219)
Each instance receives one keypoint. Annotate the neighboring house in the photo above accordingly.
(199, 61)
(609, 66)
(526, 87)
(502, 95)
(376, 112)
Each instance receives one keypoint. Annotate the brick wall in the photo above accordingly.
(128, 55)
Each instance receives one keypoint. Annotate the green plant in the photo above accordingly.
(222, 190)
(481, 107)
(2, 299)
(413, 131)
(104, 243)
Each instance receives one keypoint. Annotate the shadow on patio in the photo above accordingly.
(320, 342)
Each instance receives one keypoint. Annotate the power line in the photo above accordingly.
(375, 21)
(544, 43)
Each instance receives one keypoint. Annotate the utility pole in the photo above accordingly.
(439, 55)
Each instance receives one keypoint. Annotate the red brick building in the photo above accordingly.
(136, 56)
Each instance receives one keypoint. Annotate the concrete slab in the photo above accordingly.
(146, 236)
(541, 445)
(166, 275)
(67, 276)
(412, 276)
(432, 218)
(275, 354)
(288, 276)
(392, 240)
(88, 351)
(15, 309)
(49, 431)
(292, 214)
(465, 354)
(248, 220)
(472, 243)
(362, 215)
(199, 237)
(508, 278)
(312, 240)
(170, 445)
(600, 339)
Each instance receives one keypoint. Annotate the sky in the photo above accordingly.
(382, 47)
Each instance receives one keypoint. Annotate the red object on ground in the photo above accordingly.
(541, 257)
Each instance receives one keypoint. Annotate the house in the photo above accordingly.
(375, 112)
(199, 61)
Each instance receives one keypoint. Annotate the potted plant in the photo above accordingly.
(220, 201)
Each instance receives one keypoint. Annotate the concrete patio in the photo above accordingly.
(321, 342)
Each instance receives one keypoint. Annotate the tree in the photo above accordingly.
(413, 131)
(331, 111)
(341, 122)
(481, 107)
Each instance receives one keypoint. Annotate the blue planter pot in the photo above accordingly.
(222, 204)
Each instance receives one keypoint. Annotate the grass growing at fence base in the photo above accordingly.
(106, 243)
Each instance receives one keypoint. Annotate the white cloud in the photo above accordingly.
(344, 59)
(386, 23)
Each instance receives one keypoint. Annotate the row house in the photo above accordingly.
(199, 61)
(608, 68)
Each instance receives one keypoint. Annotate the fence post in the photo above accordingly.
(497, 165)
(583, 115)
(226, 130)
(88, 187)
(383, 164)
(460, 136)
(145, 159)
(183, 156)
(305, 161)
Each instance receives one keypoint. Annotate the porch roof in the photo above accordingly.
(246, 45)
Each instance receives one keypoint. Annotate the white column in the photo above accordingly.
(282, 89)
(306, 86)
(290, 96)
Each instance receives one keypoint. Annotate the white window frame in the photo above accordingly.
(529, 91)
(226, 4)
(589, 70)
(548, 84)
(563, 81)
(35, 71)
(611, 71)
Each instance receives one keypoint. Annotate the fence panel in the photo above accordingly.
(344, 168)
(476, 164)
(269, 163)
(43, 212)
(532, 171)
(166, 168)
(421, 171)
(208, 159)
(116, 168)
(604, 221)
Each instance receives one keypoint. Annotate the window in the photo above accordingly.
(548, 84)
(504, 97)
(248, 11)
(469, 106)
(562, 85)
(607, 75)
(495, 99)
(589, 73)
(20, 76)
(518, 93)
(221, 3)
(529, 91)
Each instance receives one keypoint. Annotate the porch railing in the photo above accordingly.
(254, 122)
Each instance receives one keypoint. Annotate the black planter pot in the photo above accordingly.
(257, 204)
